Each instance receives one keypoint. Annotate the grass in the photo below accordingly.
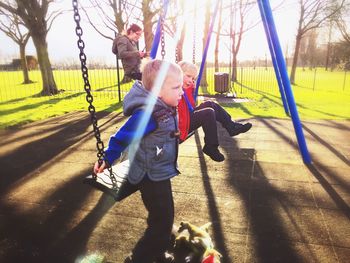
(320, 95)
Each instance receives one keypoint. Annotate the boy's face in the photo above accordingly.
(171, 91)
(189, 79)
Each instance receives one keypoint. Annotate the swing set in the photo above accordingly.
(113, 181)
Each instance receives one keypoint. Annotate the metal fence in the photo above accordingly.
(104, 82)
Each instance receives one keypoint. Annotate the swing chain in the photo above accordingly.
(175, 28)
(162, 20)
(89, 97)
(194, 35)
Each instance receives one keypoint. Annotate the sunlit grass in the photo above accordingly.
(326, 96)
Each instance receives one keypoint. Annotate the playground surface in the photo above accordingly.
(264, 203)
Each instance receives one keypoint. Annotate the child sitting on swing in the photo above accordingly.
(191, 117)
(155, 158)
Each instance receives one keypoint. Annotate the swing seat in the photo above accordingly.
(103, 182)
(188, 136)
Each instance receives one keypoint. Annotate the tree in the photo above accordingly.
(313, 13)
(343, 22)
(110, 15)
(203, 82)
(308, 49)
(12, 26)
(149, 11)
(341, 54)
(217, 40)
(329, 44)
(38, 20)
(239, 12)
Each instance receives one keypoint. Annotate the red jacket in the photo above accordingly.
(184, 112)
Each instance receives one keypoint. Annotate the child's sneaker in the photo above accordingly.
(237, 128)
(214, 153)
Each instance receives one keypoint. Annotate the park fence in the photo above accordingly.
(104, 83)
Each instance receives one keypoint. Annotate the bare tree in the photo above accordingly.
(329, 44)
(217, 40)
(111, 16)
(176, 30)
(150, 12)
(114, 16)
(38, 20)
(240, 11)
(308, 49)
(343, 22)
(12, 26)
(313, 13)
(203, 82)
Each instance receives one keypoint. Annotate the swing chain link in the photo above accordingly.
(162, 20)
(175, 28)
(89, 97)
(194, 35)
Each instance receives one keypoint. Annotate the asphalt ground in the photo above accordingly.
(264, 203)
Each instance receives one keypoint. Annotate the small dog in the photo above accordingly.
(193, 244)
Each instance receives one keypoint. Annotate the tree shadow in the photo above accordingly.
(267, 96)
(338, 200)
(327, 145)
(41, 234)
(268, 234)
(315, 168)
(18, 164)
(38, 104)
(213, 207)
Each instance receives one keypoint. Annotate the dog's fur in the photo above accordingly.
(193, 244)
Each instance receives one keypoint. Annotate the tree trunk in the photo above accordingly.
(24, 64)
(49, 85)
(295, 59)
(147, 24)
(147, 29)
(180, 44)
(234, 57)
(234, 67)
(217, 41)
(204, 82)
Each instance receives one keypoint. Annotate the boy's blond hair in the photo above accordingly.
(151, 70)
(188, 68)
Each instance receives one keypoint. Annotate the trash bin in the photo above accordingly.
(221, 82)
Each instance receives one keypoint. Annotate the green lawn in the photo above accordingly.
(325, 97)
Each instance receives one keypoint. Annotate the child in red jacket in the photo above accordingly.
(191, 117)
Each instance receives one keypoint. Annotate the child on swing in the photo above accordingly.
(155, 160)
(191, 117)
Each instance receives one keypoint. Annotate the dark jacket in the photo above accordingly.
(129, 54)
(152, 151)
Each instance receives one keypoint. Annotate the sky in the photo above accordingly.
(63, 49)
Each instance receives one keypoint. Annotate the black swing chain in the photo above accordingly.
(194, 36)
(89, 97)
(162, 20)
(176, 48)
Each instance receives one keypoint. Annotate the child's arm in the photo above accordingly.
(123, 137)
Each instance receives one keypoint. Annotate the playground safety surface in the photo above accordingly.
(264, 203)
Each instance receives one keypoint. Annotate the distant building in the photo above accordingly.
(32, 63)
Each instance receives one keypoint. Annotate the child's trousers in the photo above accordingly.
(206, 115)
(158, 200)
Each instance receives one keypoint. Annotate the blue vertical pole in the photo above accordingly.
(204, 57)
(157, 35)
(274, 60)
(270, 24)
